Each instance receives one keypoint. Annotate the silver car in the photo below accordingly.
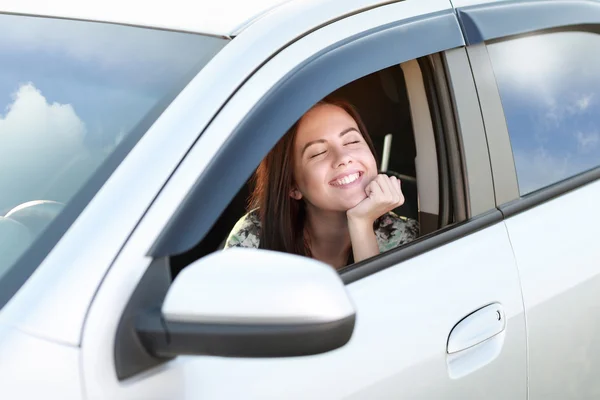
(128, 134)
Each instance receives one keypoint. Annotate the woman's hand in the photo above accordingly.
(383, 195)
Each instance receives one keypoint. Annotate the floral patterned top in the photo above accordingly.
(392, 231)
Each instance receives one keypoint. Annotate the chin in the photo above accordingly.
(351, 202)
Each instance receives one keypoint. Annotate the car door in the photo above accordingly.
(546, 87)
(441, 318)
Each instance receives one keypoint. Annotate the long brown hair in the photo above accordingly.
(282, 217)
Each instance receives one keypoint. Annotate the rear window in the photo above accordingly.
(550, 85)
(74, 98)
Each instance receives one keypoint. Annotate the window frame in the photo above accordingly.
(463, 133)
(480, 25)
(371, 47)
(191, 223)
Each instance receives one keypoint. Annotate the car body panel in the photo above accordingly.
(559, 263)
(35, 368)
(466, 3)
(221, 18)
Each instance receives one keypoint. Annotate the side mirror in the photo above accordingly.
(250, 303)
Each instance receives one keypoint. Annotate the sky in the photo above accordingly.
(70, 91)
(550, 90)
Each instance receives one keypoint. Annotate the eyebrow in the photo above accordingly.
(342, 133)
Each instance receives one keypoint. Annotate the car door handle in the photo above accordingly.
(476, 341)
(476, 328)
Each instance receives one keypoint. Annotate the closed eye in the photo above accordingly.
(356, 141)
(318, 154)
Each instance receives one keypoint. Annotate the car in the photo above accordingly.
(128, 138)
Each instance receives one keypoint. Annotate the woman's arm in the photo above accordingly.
(362, 237)
(383, 195)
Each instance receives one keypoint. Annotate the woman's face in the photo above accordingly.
(333, 163)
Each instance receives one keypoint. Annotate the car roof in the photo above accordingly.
(215, 17)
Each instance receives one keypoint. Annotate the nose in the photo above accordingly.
(342, 158)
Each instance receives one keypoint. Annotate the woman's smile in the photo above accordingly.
(347, 180)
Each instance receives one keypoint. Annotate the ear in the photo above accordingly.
(295, 194)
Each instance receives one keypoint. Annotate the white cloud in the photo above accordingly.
(30, 120)
(548, 69)
(37, 139)
(586, 142)
(568, 109)
(584, 102)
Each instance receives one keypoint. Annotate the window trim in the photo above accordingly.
(484, 22)
(470, 140)
(378, 48)
(548, 193)
(424, 244)
(502, 161)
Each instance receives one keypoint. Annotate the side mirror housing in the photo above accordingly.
(250, 303)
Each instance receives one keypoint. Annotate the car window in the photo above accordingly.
(379, 104)
(71, 92)
(550, 90)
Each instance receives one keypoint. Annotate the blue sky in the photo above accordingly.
(69, 91)
(550, 90)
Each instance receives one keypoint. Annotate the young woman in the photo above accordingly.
(318, 193)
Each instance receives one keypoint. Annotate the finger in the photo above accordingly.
(390, 192)
(393, 187)
(401, 199)
(400, 188)
(397, 186)
(397, 190)
(385, 183)
(376, 189)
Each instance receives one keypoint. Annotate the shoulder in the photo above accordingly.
(393, 231)
(246, 232)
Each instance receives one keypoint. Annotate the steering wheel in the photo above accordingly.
(35, 215)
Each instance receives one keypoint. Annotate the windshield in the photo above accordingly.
(72, 95)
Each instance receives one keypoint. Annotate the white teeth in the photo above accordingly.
(347, 179)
